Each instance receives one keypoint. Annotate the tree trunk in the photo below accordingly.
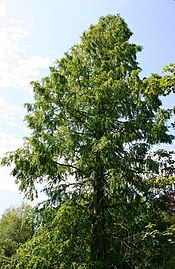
(98, 220)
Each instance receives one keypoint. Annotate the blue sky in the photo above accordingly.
(33, 33)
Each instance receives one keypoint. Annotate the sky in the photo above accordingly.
(34, 33)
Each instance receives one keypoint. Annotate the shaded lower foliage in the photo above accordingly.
(60, 244)
(136, 237)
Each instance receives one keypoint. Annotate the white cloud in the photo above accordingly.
(27, 70)
(17, 66)
(9, 113)
(7, 181)
(9, 192)
(8, 189)
(3, 9)
(8, 142)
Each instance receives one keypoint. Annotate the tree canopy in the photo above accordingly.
(16, 227)
(94, 126)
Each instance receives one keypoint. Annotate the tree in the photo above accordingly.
(16, 227)
(93, 124)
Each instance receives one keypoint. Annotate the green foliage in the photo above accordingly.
(16, 227)
(94, 123)
(63, 243)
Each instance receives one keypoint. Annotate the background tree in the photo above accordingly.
(93, 124)
(16, 227)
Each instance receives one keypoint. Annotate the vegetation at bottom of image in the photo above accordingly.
(95, 129)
